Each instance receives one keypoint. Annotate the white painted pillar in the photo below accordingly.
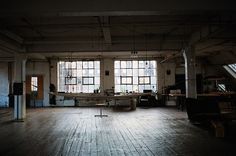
(19, 77)
(190, 72)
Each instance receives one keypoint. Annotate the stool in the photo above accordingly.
(101, 115)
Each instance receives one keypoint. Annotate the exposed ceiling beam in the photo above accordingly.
(96, 40)
(75, 47)
(7, 46)
(12, 36)
(105, 26)
(32, 27)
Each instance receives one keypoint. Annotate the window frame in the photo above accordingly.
(75, 81)
(121, 82)
(79, 71)
(34, 84)
(88, 77)
(138, 70)
(149, 81)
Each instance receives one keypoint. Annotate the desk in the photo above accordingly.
(130, 96)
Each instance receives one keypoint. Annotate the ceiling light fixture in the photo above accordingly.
(134, 52)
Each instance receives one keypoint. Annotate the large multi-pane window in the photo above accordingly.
(135, 75)
(78, 76)
(232, 67)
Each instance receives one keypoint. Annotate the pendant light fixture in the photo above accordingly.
(134, 53)
(69, 72)
(146, 59)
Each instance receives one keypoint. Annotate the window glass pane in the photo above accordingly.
(141, 88)
(141, 64)
(74, 73)
(141, 80)
(147, 80)
(91, 88)
(88, 80)
(117, 88)
(85, 81)
(79, 80)
(154, 72)
(97, 72)
(85, 88)
(34, 83)
(123, 80)
(152, 64)
(73, 65)
(129, 80)
(129, 64)
(91, 72)
(90, 64)
(141, 72)
(91, 81)
(135, 64)
(123, 88)
(70, 80)
(135, 72)
(232, 67)
(123, 72)
(148, 87)
(85, 72)
(117, 72)
(97, 80)
(135, 88)
(67, 65)
(150, 72)
(96, 86)
(146, 64)
(153, 88)
(79, 72)
(129, 72)
(117, 80)
(117, 64)
(153, 80)
(135, 80)
(129, 88)
(79, 65)
(85, 64)
(123, 64)
(97, 64)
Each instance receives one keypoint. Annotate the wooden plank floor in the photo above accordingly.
(75, 131)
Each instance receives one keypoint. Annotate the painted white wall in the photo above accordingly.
(4, 84)
(163, 79)
(53, 69)
(181, 70)
(40, 68)
(108, 80)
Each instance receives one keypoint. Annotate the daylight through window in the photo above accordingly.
(135, 75)
(78, 76)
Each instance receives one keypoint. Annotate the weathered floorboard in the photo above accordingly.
(75, 131)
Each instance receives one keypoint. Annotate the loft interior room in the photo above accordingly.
(117, 78)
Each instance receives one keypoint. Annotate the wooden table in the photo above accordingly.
(93, 96)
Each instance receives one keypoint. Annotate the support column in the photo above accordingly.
(190, 72)
(19, 77)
